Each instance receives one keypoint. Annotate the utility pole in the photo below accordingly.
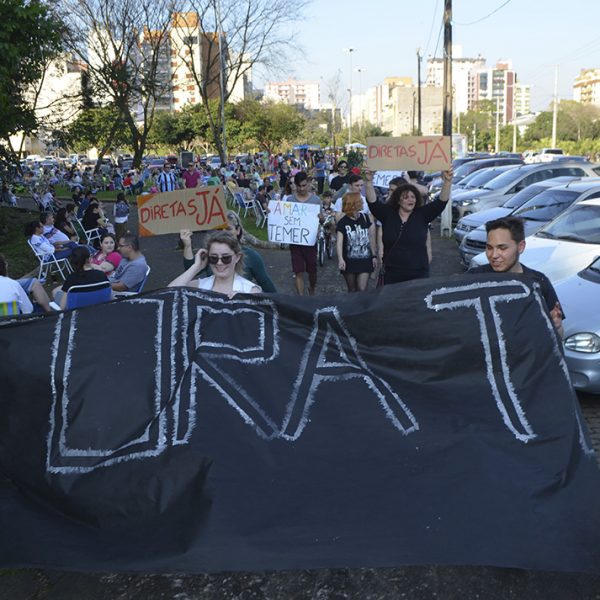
(446, 226)
(514, 149)
(555, 111)
(474, 137)
(497, 146)
(360, 71)
(419, 130)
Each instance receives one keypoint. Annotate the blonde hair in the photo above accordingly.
(351, 201)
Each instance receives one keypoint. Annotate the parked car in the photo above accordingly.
(472, 221)
(484, 176)
(564, 246)
(502, 188)
(579, 296)
(435, 184)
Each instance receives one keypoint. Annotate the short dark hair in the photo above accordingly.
(397, 181)
(132, 240)
(3, 266)
(299, 177)
(394, 200)
(79, 257)
(29, 228)
(354, 178)
(513, 224)
(44, 216)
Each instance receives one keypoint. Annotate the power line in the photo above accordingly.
(432, 26)
(486, 16)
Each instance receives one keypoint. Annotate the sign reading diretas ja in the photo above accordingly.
(198, 209)
(411, 153)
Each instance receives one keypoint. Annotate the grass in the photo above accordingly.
(13, 243)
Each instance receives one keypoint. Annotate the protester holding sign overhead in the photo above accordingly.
(405, 222)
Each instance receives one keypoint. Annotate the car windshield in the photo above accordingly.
(595, 266)
(523, 196)
(548, 204)
(479, 178)
(581, 223)
(463, 171)
(503, 180)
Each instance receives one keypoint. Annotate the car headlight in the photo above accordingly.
(583, 342)
(469, 201)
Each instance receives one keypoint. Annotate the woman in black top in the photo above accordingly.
(355, 243)
(405, 223)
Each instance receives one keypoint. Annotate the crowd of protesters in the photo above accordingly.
(370, 234)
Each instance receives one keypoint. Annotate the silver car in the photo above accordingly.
(497, 191)
(470, 222)
(536, 212)
(579, 296)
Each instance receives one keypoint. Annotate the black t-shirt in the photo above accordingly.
(405, 244)
(356, 249)
(84, 278)
(338, 181)
(546, 288)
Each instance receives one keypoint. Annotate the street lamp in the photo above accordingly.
(350, 51)
(360, 71)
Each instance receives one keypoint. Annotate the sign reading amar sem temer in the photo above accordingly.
(198, 209)
(410, 153)
(293, 222)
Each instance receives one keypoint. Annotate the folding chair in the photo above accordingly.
(138, 290)
(85, 236)
(89, 294)
(50, 264)
(261, 215)
(243, 204)
(9, 308)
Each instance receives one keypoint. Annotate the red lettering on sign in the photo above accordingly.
(203, 210)
(145, 215)
(216, 210)
(156, 212)
(438, 152)
(192, 207)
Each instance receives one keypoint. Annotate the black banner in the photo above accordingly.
(425, 423)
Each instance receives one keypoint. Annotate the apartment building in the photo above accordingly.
(586, 88)
(306, 94)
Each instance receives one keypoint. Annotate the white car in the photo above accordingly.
(564, 246)
(579, 297)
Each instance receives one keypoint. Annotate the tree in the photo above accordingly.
(271, 125)
(30, 36)
(102, 128)
(254, 34)
(124, 44)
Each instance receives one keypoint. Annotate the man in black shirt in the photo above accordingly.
(342, 176)
(504, 246)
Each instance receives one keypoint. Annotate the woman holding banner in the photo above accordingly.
(224, 255)
(405, 223)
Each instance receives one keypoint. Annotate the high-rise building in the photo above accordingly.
(462, 68)
(522, 100)
(306, 94)
(498, 86)
(586, 88)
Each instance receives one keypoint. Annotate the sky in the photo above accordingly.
(536, 35)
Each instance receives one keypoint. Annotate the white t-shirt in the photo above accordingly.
(240, 284)
(53, 235)
(11, 291)
(41, 244)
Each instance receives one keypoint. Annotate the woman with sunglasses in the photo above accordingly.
(224, 255)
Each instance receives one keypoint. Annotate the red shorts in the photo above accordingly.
(304, 258)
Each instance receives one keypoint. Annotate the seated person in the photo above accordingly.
(82, 274)
(107, 259)
(54, 235)
(131, 271)
(17, 290)
(34, 231)
(94, 218)
(62, 222)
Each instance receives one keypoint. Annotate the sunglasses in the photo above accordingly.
(226, 259)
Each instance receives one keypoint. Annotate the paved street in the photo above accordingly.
(414, 583)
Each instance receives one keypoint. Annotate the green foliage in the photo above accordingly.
(97, 128)
(30, 36)
(271, 126)
(355, 158)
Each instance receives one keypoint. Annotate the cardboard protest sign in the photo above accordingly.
(198, 209)
(411, 153)
(431, 422)
(293, 222)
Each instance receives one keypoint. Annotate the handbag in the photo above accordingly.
(381, 276)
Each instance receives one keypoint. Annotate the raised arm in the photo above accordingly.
(369, 189)
(447, 185)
